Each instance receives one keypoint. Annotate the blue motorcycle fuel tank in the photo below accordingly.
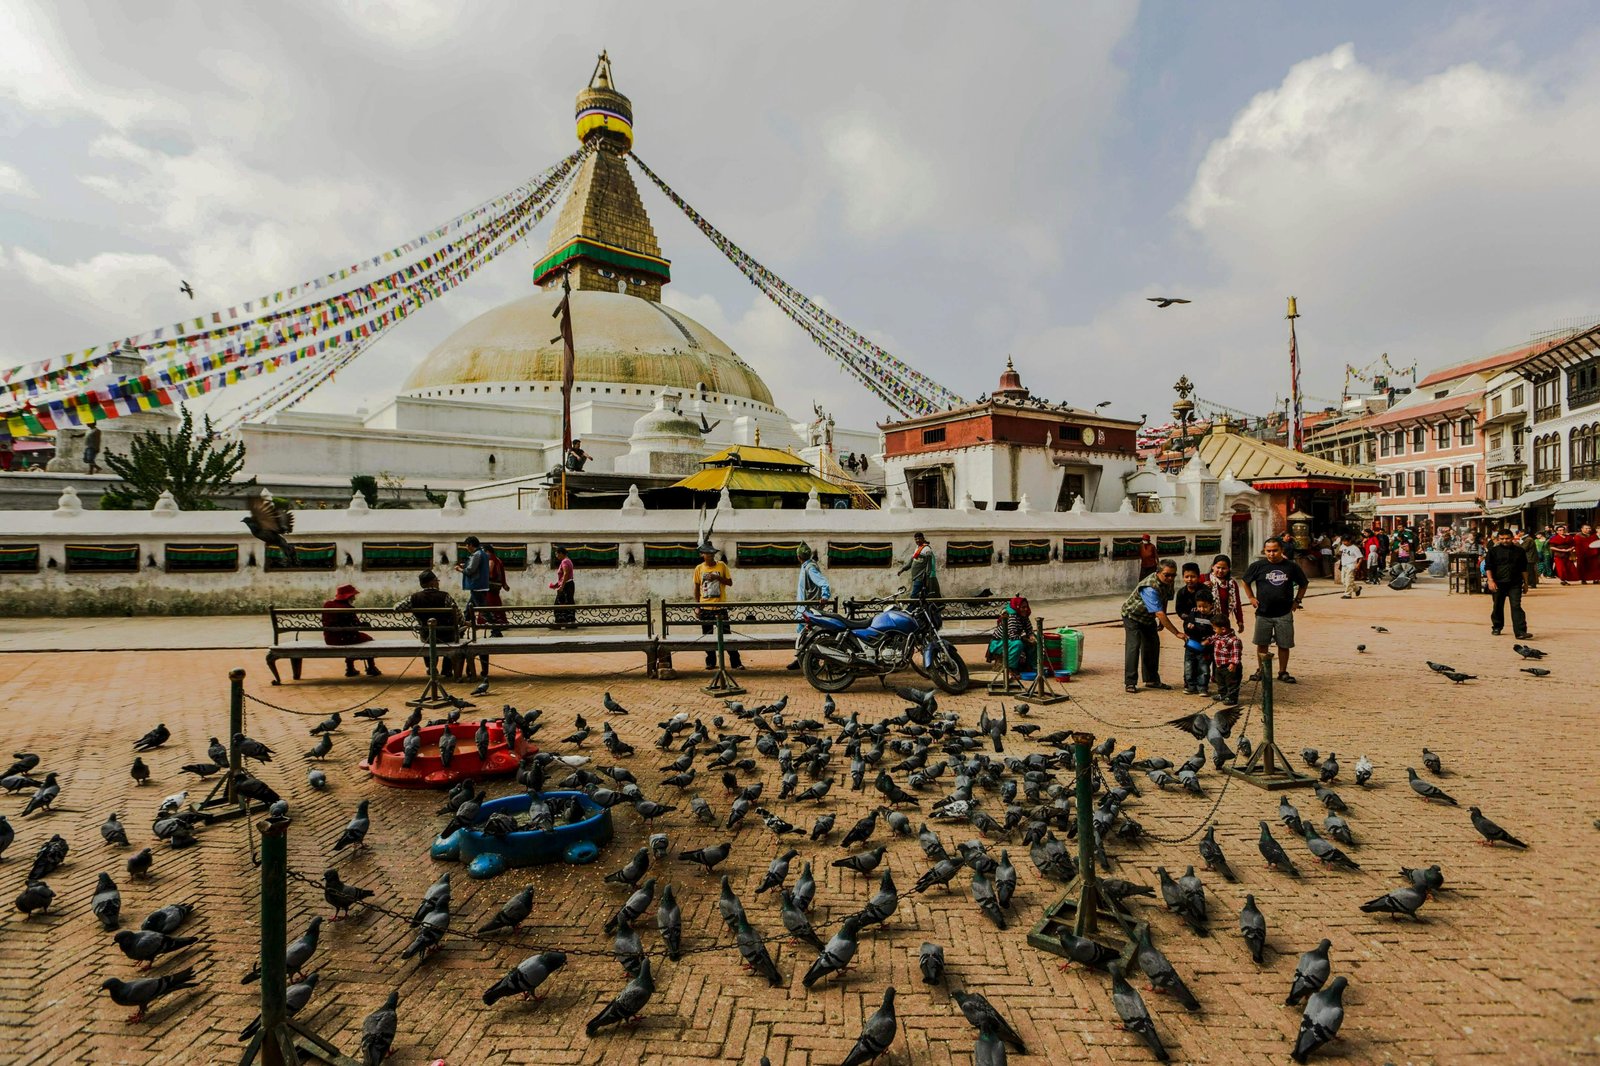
(894, 622)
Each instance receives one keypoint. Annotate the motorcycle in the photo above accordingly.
(835, 650)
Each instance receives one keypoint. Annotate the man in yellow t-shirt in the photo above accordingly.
(712, 579)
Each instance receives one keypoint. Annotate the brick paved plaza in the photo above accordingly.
(1504, 969)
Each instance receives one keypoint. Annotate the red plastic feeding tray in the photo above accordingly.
(426, 771)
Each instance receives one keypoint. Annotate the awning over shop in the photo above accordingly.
(1516, 504)
(1577, 495)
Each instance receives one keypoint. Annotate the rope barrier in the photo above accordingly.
(342, 710)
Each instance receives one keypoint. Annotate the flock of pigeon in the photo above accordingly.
(958, 778)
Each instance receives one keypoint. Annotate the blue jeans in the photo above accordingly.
(1196, 668)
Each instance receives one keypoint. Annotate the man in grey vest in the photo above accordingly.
(1144, 615)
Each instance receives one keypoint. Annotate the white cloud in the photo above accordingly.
(886, 185)
(14, 182)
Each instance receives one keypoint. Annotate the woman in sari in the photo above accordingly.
(1564, 555)
(1012, 638)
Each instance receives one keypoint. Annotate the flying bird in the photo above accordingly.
(187, 289)
(268, 524)
(1165, 301)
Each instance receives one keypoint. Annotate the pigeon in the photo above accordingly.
(140, 772)
(862, 830)
(1273, 852)
(429, 933)
(111, 831)
(1161, 974)
(1536, 671)
(295, 955)
(482, 688)
(512, 913)
(648, 809)
(52, 853)
(836, 955)
(295, 997)
(634, 907)
(146, 946)
(252, 749)
(708, 858)
(1085, 952)
(669, 921)
(983, 895)
(355, 834)
(1134, 1014)
(525, 977)
(327, 725)
(777, 872)
(822, 827)
(626, 947)
(139, 863)
(1527, 652)
(702, 810)
(1310, 973)
(1005, 881)
(629, 1002)
(982, 1016)
(989, 1051)
(1439, 668)
(411, 747)
(217, 753)
(169, 918)
(480, 740)
(1379, 629)
(1429, 879)
(1458, 677)
(930, 960)
(876, 1034)
(1491, 832)
(883, 903)
(613, 706)
(1434, 764)
(1194, 897)
(1427, 789)
(436, 898)
(317, 780)
(268, 524)
(1289, 814)
(1338, 829)
(35, 896)
(1164, 302)
(1363, 771)
(1211, 855)
(805, 888)
(24, 761)
(632, 870)
(728, 905)
(42, 796)
(1320, 1022)
(796, 922)
(144, 991)
(1253, 926)
(755, 952)
(107, 902)
(862, 862)
(1396, 902)
(153, 739)
(1329, 770)
(17, 782)
(377, 1031)
(447, 748)
(1326, 853)
(931, 845)
(321, 748)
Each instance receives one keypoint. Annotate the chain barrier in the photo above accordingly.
(467, 934)
(342, 710)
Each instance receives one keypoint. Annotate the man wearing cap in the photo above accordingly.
(1144, 616)
(811, 587)
(340, 627)
(1148, 557)
(712, 579)
(430, 603)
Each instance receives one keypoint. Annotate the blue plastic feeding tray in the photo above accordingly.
(486, 856)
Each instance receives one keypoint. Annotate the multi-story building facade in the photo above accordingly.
(1506, 411)
(1562, 440)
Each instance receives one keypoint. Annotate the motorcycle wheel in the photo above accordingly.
(823, 673)
(914, 658)
(948, 669)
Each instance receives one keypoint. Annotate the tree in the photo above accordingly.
(195, 467)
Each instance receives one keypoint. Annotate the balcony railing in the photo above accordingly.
(1547, 477)
(1545, 414)
(1582, 396)
(1503, 456)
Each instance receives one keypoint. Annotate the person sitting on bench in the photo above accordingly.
(431, 603)
(339, 627)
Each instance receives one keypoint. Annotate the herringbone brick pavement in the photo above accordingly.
(1504, 969)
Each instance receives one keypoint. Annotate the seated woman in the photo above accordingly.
(339, 627)
(1013, 636)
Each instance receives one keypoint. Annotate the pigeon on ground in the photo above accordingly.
(708, 857)
(1379, 629)
(702, 810)
(1253, 926)
(377, 1031)
(635, 906)
(1427, 789)
(52, 853)
(982, 1016)
(169, 918)
(429, 933)
(1396, 902)
(728, 905)
(1161, 974)
(112, 832)
(1134, 1014)
(669, 921)
(613, 706)
(295, 997)
(153, 739)
(1327, 853)
(481, 689)
(295, 955)
(1491, 832)
(1536, 671)
(629, 1002)
(436, 898)
(1211, 855)
(836, 955)
(862, 830)
(252, 749)
(355, 834)
(321, 748)
(805, 888)
(144, 991)
(1338, 829)
(139, 863)
(140, 772)
(1086, 952)
(1527, 651)
(984, 896)
(107, 902)
(862, 862)
(1363, 771)
(1328, 771)
(42, 796)
(930, 960)
(755, 953)
(1273, 852)
(796, 922)
(1320, 1023)
(317, 780)
(1458, 677)
(1432, 761)
(525, 978)
(1425, 879)
(1289, 815)
(883, 903)
(35, 896)
(1310, 973)
(146, 946)
(512, 913)
(822, 827)
(632, 870)
(876, 1035)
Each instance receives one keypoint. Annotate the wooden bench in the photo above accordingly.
(577, 627)
(291, 624)
(753, 625)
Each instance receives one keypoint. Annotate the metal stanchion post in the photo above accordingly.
(722, 683)
(1268, 768)
(223, 794)
(434, 694)
(1040, 690)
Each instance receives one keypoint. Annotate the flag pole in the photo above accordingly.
(1296, 427)
(563, 311)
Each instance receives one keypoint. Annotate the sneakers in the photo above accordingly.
(1158, 685)
(1524, 636)
(1494, 632)
(1190, 690)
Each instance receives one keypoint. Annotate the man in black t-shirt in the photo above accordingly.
(1275, 587)
(1508, 578)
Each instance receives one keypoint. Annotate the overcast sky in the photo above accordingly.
(962, 182)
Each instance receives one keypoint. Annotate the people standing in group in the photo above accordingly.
(1148, 558)
(1225, 590)
(566, 588)
(1505, 569)
(810, 589)
(91, 448)
(495, 617)
(1376, 547)
(1144, 616)
(475, 574)
(1198, 629)
(1530, 548)
(1275, 587)
(340, 627)
(712, 580)
(924, 572)
(1350, 559)
(1564, 555)
(1588, 555)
